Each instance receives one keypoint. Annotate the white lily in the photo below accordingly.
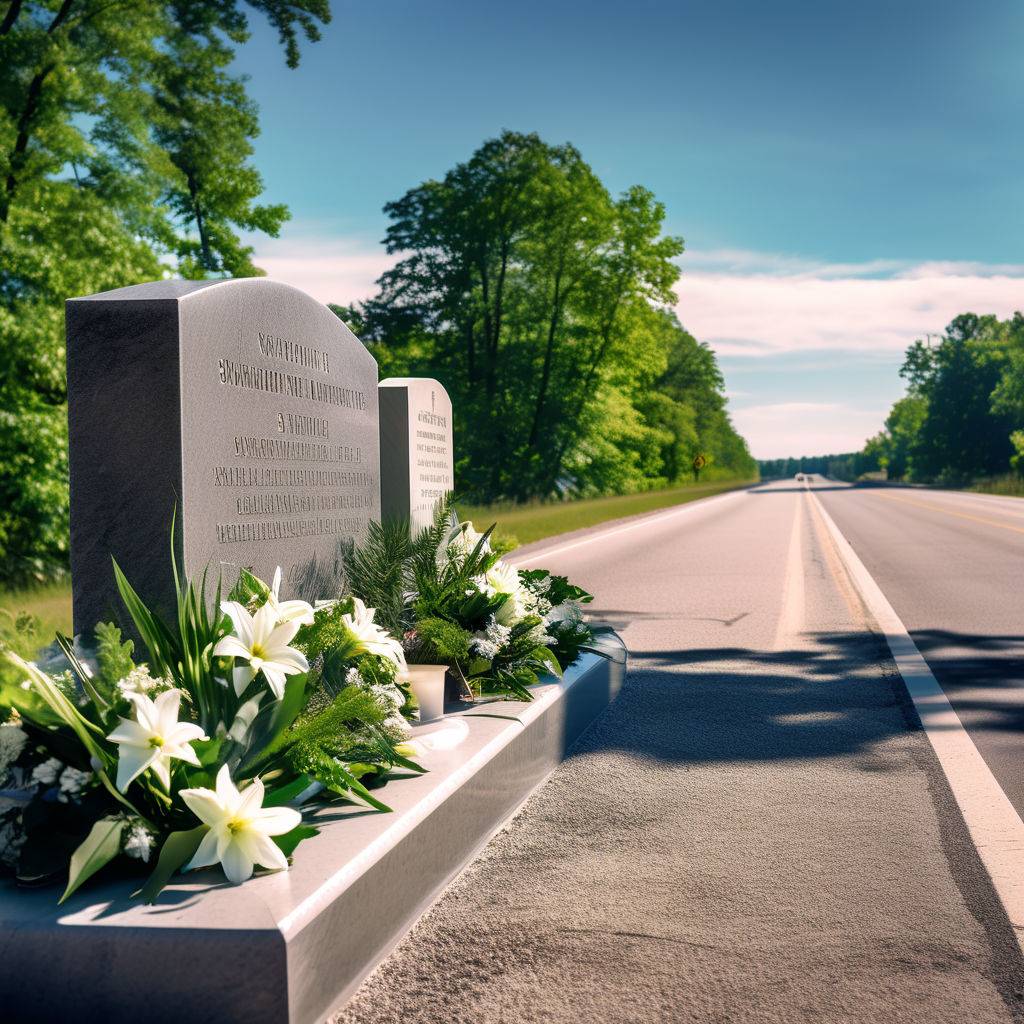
(503, 578)
(373, 639)
(240, 828)
(154, 739)
(262, 643)
(288, 611)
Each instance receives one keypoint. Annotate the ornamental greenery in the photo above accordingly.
(146, 762)
(248, 713)
(455, 602)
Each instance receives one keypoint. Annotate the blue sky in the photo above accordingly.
(846, 177)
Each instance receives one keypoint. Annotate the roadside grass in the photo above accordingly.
(1012, 484)
(523, 524)
(50, 606)
(30, 618)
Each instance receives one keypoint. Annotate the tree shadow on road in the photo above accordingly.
(831, 698)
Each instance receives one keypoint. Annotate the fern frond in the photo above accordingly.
(377, 572)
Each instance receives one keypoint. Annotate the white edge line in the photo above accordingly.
(644, 520)
(994, 824)
(329, 891)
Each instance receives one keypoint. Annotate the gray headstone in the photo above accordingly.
(247, 405)
(416, 460)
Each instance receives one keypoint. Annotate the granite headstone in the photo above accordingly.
(416, 451)
(247, 406)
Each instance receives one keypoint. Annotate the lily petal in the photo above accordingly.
(262, 850)
(241, 620)
(227, 792)
(242, 677)
(289, 660)
(231, 647)
(276, 821)
(282, 635)
(132, 762)
(203, 804)
(207, 852)
(275, 678)
(251, 799)
(237, 866)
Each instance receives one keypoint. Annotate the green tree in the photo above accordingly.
(539, 301)
(959, 437)
(124, 144)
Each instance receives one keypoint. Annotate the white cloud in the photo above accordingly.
(338, 270)
(757, 305)
(761, 304)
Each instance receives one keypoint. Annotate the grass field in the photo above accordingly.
(1012, 485)
(51, 605)
(526, 523)
(516, 525)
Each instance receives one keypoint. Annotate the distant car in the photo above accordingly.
(799, 476)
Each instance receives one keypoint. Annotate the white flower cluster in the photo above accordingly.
(12, 838)
(536, 596)
(70, 781)
(488, 643)
(391, 699)
(47, 773)
(140, 681)
(567, 613)
(387, 695)
(12, 743)
(138, 841)
(539, 636)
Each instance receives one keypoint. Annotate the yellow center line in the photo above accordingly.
(949, 512)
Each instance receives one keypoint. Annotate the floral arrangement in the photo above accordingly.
(248, 713)
(208, 752)
(454, 601)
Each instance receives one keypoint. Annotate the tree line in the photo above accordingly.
(543, 304)
(963, 415)
(847, 466)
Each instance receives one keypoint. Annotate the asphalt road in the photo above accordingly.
(952, 566)
(755, 831)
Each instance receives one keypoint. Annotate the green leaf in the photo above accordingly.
(67, 646)
(178, 849)
(244, 718)
(100, 847)
(545, 655)
(290, 840)
(285, 794)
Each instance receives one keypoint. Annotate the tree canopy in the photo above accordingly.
(542, 302)
(125, 146)
(963, 413)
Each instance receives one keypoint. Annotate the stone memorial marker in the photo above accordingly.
(416, 451)
(245, 404)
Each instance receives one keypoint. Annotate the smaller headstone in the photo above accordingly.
(416, 450)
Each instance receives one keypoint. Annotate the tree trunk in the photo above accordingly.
(545, 374)
(13, 10)
(17, 158)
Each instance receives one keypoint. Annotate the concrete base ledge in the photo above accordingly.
(293, 946)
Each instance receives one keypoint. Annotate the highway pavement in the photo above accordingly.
(952, 566)
(757, 829)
